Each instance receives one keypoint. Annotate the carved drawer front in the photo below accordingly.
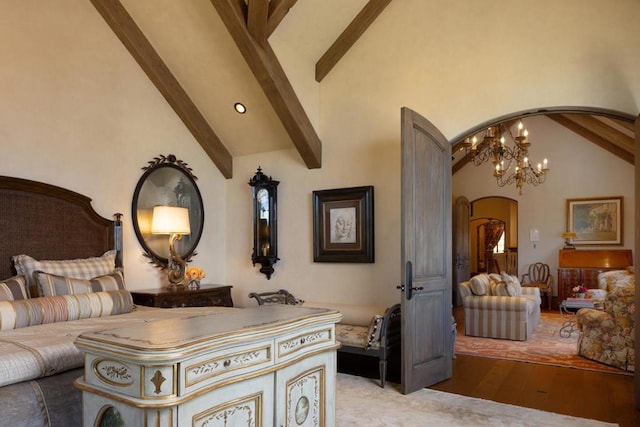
(234, 362)
(158, 382)
(298, 344)
(249, 403)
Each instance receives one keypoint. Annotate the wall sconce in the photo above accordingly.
(567, 240)
(265, 222)
(173, 221)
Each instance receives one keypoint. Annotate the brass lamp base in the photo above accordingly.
(174, 287)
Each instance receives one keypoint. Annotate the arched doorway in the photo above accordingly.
(493, 235)
(628, 153)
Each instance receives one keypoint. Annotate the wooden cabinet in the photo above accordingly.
(581, 267)
(260, 366)
(206, 296)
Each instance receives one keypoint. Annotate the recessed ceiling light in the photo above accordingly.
(240, 108)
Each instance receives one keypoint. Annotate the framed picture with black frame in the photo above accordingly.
(343, 227)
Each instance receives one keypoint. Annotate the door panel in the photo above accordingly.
(426, 254)
(461, 246)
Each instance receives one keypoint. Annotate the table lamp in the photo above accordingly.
(173, 221)
(567, 242)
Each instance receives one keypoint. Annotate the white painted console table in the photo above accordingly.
(263, 366)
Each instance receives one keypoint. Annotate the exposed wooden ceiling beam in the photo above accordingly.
(257, 20)
(278, 9)
(598, 133)
(349, 36)
(123, 25)
(461, 163)
(627, 125)
(274, 82)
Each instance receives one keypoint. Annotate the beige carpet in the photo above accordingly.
(361, 402)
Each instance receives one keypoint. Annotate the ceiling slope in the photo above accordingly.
(349, 36)
(274, 82)
(614, 135)
(139, 47)
(599, 133)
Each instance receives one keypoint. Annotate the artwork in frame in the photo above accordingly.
(343, 225)
(596, 221)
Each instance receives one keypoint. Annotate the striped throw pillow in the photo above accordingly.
(62, 308)
(14, 288)
(52, 284)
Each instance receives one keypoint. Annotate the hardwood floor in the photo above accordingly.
(587, 394)
(580, 393)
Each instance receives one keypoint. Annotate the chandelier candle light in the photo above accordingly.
(492, 147)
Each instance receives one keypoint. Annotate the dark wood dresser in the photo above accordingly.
(581, 267)
(206, 296)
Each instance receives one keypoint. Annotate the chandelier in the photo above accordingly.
(511, 164)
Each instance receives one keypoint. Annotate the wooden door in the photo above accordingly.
(426, 254)
(636, 375)
(461, 246)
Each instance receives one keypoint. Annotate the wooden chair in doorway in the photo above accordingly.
(539, 275)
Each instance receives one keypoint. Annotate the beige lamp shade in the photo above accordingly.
(170, 220)
(568, 235)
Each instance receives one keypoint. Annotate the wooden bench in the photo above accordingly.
(367, 331)
(364, 330)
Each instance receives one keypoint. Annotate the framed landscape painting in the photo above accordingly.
(596, 221)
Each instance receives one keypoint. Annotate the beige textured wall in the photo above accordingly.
(459, 64)
(74, 104)
(78, 112)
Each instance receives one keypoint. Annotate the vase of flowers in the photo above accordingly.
(580, 291)
(194, 275)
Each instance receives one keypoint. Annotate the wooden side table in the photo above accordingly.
(206, 296)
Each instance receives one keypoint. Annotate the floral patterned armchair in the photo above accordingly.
(608, 336)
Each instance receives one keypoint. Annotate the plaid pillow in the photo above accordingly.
(13, 289)
(51, 284)
(86, 268)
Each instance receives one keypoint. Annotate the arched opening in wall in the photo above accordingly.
(613, 131)
(605, 134)
(493, 235)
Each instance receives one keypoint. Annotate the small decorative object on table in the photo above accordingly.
(194, 275)
(579, 291)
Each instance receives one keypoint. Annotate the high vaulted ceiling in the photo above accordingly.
(609, 133)
(205, 55)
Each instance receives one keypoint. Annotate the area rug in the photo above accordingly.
(545, 346)
(361, 402)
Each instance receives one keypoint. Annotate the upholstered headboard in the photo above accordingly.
(49, 222)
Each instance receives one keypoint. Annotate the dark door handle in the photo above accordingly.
(408, 278)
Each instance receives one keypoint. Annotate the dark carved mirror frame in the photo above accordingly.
(170, 182)
(265, 222)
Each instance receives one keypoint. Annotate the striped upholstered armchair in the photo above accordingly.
(497, 306)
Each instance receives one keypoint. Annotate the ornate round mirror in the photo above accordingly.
(167, 181)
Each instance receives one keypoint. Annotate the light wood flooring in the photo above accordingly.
(588, 394)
